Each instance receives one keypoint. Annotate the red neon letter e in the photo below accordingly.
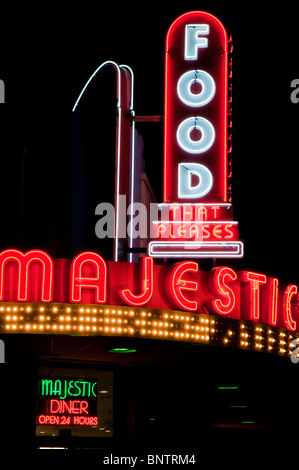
(78, 281)
(147, 285)
(177, 285)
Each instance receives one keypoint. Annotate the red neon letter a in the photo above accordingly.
(79, 282)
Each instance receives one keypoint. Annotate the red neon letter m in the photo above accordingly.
(24, 261)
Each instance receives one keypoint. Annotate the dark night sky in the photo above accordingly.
(46, 57)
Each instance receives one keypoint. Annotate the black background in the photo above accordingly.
(48, 53)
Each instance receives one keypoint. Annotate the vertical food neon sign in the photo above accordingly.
(196, 144)
(195, 165)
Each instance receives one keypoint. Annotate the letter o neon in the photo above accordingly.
(196, 99)
(41, 419)
(195, 146)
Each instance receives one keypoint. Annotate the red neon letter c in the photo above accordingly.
(290, 291)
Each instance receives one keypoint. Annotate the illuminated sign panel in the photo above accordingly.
(30, 261)
(72, 401)
(67, 402)
(196, 145)
(195, 110)
(242, 295)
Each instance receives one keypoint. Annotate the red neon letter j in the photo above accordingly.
(147, 285)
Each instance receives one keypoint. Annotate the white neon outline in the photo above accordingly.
(118, 106)
(196, 204)
(204, 43)
(132, 160)
(230, 222)
(197, 74)
(117, 181)
(190, 124)
(190, 172)
(201, 222)
(187, 253)
(107, 62)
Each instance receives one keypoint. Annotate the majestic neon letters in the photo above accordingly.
(218, 281)
(72, 388)
(147, 285)
(177, 284)
(96, 281)
(24, 261)
(91, 280)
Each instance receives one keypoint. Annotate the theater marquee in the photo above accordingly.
(88, 295)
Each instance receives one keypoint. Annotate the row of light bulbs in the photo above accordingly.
(66, 319)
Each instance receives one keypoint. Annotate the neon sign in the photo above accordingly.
(236, 294)
(66, 387)
(196, 143)
(147, 285)
(196, 110)
(24, 262)
(177, 284)
(67, 402)
(97, 281)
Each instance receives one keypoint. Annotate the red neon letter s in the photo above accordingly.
(217, 279)
(78, 281)
(23, 261)
(177, 285)
(147, 285)
(290, 291)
